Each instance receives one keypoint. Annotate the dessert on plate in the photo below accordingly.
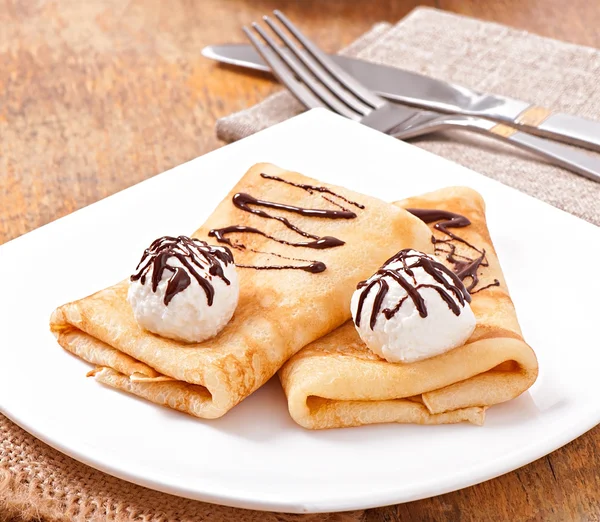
(434, 337)
(206, 320)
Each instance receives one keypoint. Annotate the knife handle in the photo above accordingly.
(574, 130)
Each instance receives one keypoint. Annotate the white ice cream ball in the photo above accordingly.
(403, 329)
(195, 291)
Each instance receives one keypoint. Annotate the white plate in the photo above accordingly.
(256, 457)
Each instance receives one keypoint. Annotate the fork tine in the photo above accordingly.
(309, 81)
(319, 72)
(342, 76)
(285, 76)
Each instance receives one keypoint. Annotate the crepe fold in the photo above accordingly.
(279, 311)
(337, 381)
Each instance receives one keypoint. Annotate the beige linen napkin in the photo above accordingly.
(490, 58)
(39, 482)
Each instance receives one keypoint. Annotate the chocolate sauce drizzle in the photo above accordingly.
(464, 266)
(410, 260)
(248, 203)
(195, 256)
(318, 243)
(314, 267)
(312, 189)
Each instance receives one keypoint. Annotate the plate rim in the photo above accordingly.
(390, 496)
(386, 498)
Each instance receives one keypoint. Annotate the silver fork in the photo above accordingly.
(316, 81)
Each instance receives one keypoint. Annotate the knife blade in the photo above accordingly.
(415, 89)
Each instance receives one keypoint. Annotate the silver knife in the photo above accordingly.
(422, 91)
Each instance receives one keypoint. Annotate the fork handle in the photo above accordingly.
(564, 156)
(572, 159)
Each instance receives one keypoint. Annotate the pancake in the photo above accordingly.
(336, 381)
(279, 311)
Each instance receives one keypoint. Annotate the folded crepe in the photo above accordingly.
(279, 311)
(337, 381)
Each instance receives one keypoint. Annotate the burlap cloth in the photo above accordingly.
(39, 482)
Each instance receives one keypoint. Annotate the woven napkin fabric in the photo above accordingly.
(487, 57)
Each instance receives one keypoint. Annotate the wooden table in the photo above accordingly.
(98, 95)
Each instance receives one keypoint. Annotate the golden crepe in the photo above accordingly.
(337, 381)
(279, 311)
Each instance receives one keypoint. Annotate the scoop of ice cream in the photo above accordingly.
(184, 289)
(412, 308)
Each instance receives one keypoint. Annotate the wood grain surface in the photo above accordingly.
(96, 96)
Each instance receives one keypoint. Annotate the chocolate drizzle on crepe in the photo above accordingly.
(249, 203)
(314, 267)
(195, 256)
(464, 266)
(449, 285)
